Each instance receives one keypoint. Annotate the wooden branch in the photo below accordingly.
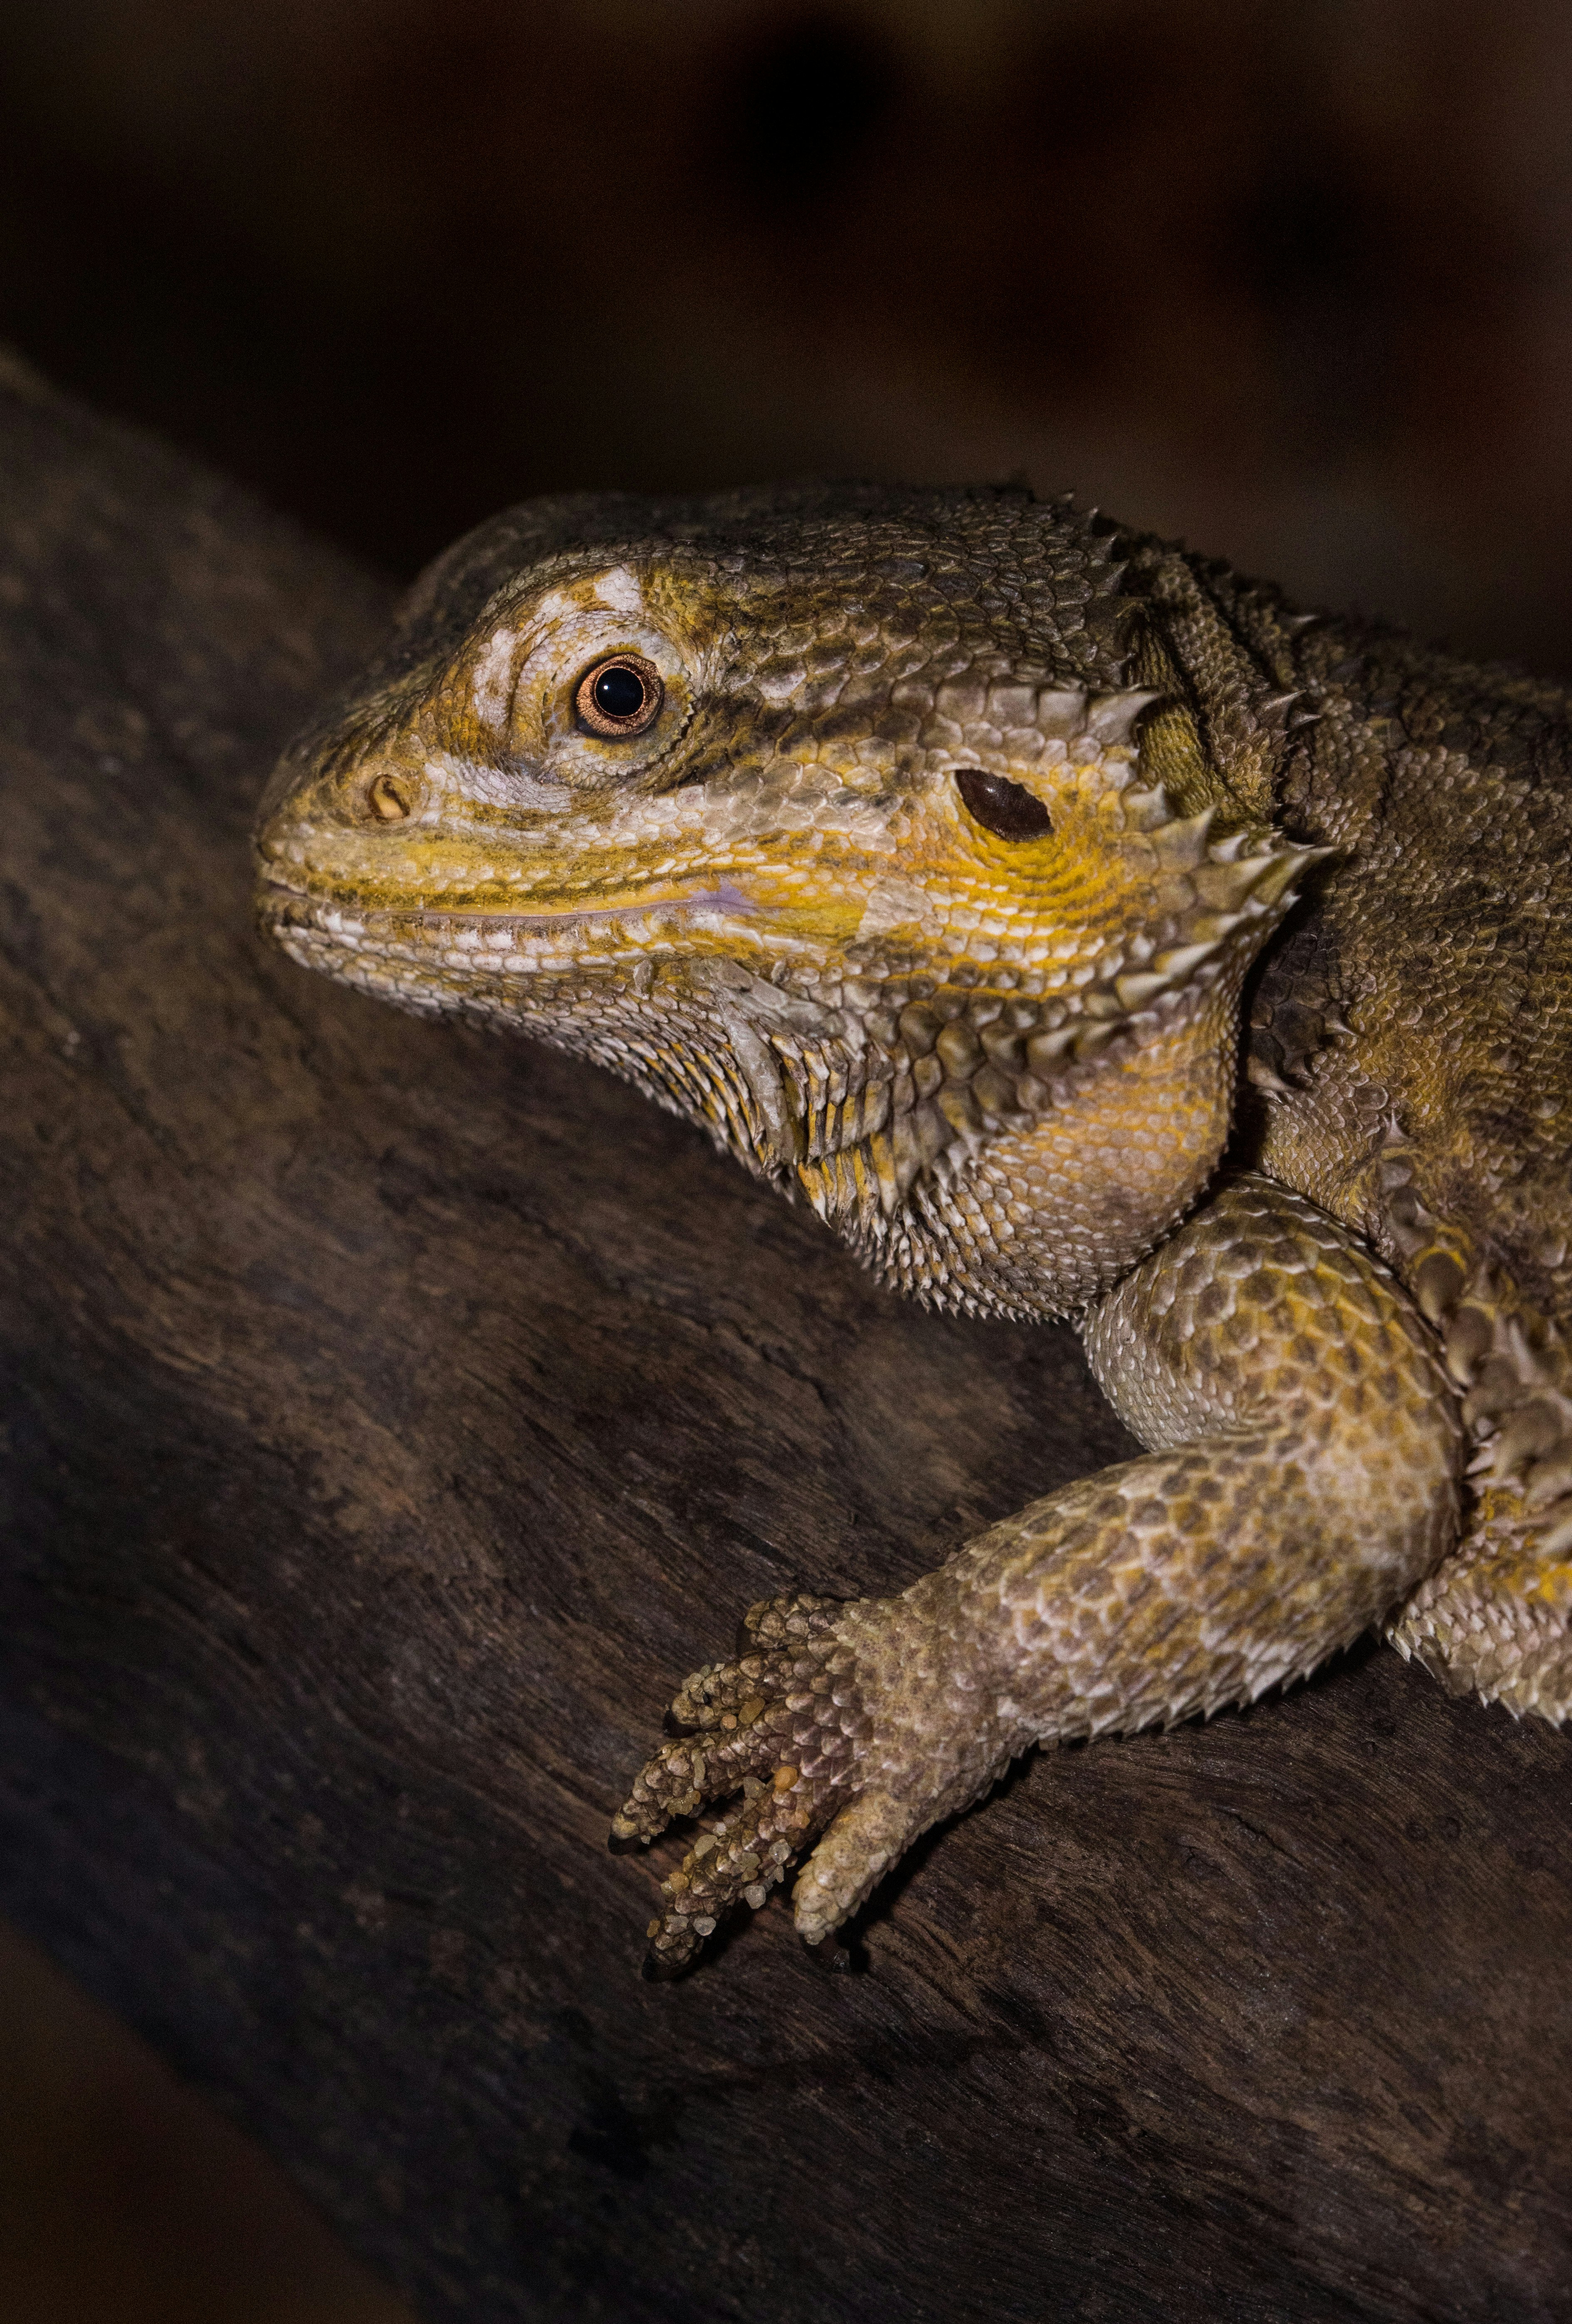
(395, 1415)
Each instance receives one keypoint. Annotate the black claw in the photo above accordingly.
(830, 1954)
(625, 1843)
(663, 1973)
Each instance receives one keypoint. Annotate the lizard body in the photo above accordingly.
(932, 849)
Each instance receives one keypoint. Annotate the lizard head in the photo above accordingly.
(821, 816)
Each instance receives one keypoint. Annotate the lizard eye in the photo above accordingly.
(618, 697)
(1009, 810)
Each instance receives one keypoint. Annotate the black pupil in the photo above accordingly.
(619, 692)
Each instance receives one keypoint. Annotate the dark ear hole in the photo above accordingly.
(1008, 810)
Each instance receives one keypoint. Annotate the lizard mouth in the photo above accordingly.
(283, 900)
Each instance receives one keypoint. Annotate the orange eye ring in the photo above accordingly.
(618, 697)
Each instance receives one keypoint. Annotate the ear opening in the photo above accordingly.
(1009, 810)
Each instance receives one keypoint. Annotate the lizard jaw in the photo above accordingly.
(725, 897)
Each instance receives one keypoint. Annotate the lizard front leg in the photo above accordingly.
(1303, 1477)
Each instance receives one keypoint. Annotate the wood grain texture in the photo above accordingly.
(395, 1415)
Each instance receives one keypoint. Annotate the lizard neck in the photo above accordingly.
(1053, 1213)
(1293, 717)
(1227, 658)
(1404, 1043)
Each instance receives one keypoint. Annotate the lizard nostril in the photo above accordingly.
(389, 798)
(1009, 810)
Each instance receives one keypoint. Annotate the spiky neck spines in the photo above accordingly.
(928, 1104)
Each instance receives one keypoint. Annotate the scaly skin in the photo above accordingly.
(952, 837)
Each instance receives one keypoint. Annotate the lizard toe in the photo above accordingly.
(792, 1621)
(785, 1726)
(684, 1774)
(853, 1857)
(737, 1860)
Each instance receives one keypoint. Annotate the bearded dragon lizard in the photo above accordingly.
(1083, 932)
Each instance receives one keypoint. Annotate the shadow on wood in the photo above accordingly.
(395, 1414)
(125, 2200)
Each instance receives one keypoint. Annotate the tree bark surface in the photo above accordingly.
(395, 1415)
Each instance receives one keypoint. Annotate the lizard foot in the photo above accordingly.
(788, 1724)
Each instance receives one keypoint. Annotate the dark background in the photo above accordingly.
(1294, 283)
